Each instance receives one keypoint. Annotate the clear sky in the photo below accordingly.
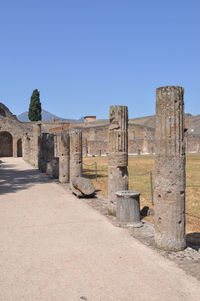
(85, 55)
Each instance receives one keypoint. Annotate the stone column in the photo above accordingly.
(117, 154)
(57, 145)
(170, 169)
(47, 155)
(15, 147)
(64, 162)
(26, 147)
(36, 143)
(128, 208)
(75, 154)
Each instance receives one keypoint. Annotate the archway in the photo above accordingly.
(19, 148)
(6, 144)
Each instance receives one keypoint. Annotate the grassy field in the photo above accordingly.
(139, 179)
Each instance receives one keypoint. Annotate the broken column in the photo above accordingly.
(64, 162)
(170, 169)
(128, 208)
(75, 154)
(118, 154)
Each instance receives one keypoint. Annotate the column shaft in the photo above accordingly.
(170, 169)
(15, 147)
(64, 162)
(75, 154)
(36, 143)
(118, 154)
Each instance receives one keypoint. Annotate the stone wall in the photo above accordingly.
(95, 140)
(141, 135)
(192, 143)
(11, 133)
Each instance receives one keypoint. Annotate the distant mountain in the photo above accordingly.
(45, 116)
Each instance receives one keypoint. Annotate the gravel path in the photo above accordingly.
(56, 247)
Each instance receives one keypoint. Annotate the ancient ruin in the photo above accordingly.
(128, 208)
(75, 154)
(95, 135)
(57, 148)
(118, 153)
(47, 162)
(11, 133)
(170, 169)
(82, 187)
(36, 144)
(64, 158)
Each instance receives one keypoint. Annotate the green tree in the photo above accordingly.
(35, 109)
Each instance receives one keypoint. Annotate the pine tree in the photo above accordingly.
(35, 108)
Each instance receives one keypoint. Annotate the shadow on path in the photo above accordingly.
(12, 179)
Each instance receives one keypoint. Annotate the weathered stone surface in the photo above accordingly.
(170, 170)
(75, 153)
(11, 133)
(128, 208)
(6, 143)
(26, 147)
(64, 158)
(118, 153)
(36, 144)
(82, 187)
(46, 154)
(52, 168)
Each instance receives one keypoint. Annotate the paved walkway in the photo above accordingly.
(54, 247)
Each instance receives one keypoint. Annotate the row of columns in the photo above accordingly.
(40, 154)
(169, 165)
(70, 158)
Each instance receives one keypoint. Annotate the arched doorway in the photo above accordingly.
(19, 148)
(6, 144)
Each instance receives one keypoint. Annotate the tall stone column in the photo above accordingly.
(15, 147)
(118, 154)
(57, 145)
(170, 169)
(64, 162)
(75, 154)
(26, 147)
(36, 143)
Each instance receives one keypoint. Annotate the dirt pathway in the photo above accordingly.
(55, 247)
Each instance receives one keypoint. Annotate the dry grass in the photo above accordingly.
(139, 179)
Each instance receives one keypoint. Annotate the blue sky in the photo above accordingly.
(85, 55)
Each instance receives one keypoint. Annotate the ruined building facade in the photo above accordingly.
(17, 137)
(11, 133)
